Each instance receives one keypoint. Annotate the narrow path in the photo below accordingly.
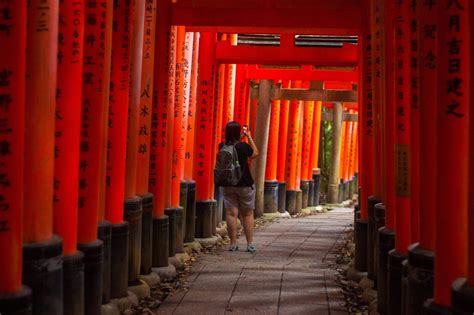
(289, 274)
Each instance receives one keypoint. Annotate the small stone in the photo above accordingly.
(110, 309)
(141, 290)
(209, 241)
(167, 272)
(192, 247)
(151, 279)
(355, 275)
(286, 215)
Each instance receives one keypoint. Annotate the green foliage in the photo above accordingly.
(326, 145)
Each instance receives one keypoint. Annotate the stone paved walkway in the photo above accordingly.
(289, 274)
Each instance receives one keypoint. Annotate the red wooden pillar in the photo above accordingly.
(421, 254)
(41, 73)
(414, 103)
(218, 120)
(463, 288)
(241, 94)
(190, 147)
(161, 132)
(133, 203)
(204, 143)
(299, 159)
(66, 152)
(282, 147)
(292, 147)
(229, 88)
(452, 149)
(92, 164)
(402, 153)
(313, 171)
(271, 183)
(12, 132)
(306, 175)
(116, 148)
(386, 235)
(144, 135)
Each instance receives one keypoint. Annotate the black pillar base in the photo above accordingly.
(133, 215)
(291, 206)
(105, 235)
(74, 284)
(420, 278)
(174, 215)
(43, 273)
(183, 201)
(304, 193)
(147, 234)
(340, 193)
(351, 187)
(395, 274)
(371, 232)
(270, 196)
(347, 187)
(385, 243)
(219, 199)
(190, 212)
(317, 186)
(215, 210)
(93, 276)
(282, 197)
(204, 218)
(356, 213)
(160, 242)
(311, 194)
(379, 218)
(299, 201)
(18, 303)
(360, 259)
(119, 261)
(462, 297)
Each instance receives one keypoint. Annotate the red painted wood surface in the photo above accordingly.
(118, 111)
(367, 118)
(163, 111)
(415, 122)
(342, 155)
(303, 72)
(345, 56)
(272, 151)
(470, 275)
(95, 104)
(241, 94)
(203, 144)
(428, 15)
(402, 121)
(389, 117)
(41, 72)
(316, 131)
(308, 119)
(68, 123)
(452, 150)
(146, 99)
(136, 59)
(376, 20)
(12, 131)
(190, 132)
(177, 161)
(283, 135)
(292, 146)
(353, 150)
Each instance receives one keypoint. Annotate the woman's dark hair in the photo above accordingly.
(232, 132)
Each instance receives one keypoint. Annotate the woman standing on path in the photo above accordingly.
(240, 197)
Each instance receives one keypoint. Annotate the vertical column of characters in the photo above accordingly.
(204, 114)
(68, 123)
(118, 111)
(272, 153)
(414, 123)
(292, 142)
(402, 120)
(315, 136)
(282, 149)
(146, 98)
(452, 149)
(241, 87)
(308, 108)
(191, 113)
(12, 132)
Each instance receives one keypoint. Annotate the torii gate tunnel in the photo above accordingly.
(112, 111)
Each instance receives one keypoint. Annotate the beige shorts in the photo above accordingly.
(242, 198)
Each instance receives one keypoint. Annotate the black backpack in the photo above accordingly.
(227, 171)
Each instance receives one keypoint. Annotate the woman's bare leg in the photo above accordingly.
(231, 219)
(247, 218)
